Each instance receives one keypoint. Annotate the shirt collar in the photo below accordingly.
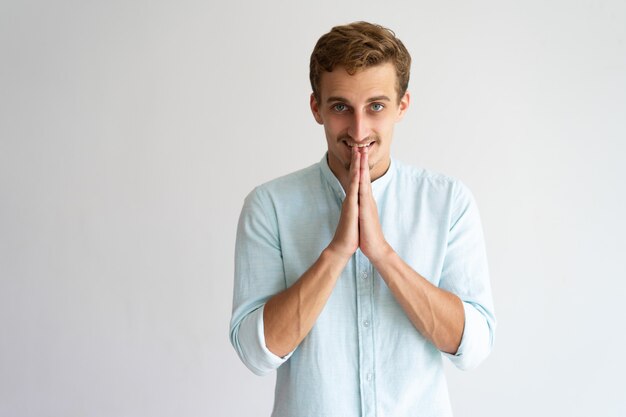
(378, 186)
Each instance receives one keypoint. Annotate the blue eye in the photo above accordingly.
(340, 107)
(377, 107)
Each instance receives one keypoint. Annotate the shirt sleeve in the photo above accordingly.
(465, 273)
(259, 274)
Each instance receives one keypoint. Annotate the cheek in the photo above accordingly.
(386, 128)
(332, 128)
(329, 132)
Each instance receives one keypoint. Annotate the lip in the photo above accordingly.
(366, 144)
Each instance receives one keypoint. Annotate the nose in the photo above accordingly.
(359, 128)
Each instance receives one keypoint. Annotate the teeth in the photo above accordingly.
(359, 145)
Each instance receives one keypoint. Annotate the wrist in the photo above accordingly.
(335, 254)
(382, 254)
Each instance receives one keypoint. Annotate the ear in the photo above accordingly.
(403, 106)
(316, 110)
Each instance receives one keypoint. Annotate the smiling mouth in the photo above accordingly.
(359, 145)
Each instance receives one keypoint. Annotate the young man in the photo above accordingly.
(353, 277)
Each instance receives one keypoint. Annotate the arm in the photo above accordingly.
(268, 321)
(437, 314)
(290, 315)
(455, 316)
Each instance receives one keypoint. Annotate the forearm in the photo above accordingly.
(289, 315)
(437, 314)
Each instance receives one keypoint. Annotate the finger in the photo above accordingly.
(355, 168)
(365, 183)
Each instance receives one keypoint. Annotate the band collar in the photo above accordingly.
(378, 185)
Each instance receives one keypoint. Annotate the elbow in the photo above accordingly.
(477, 341)
(247, 355)
(247, 337)
(468, 362)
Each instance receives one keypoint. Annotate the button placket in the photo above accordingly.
(366, 338)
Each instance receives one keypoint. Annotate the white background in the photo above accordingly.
(131, 131)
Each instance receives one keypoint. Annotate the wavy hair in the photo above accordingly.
(357, 46)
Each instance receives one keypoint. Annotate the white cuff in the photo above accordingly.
(253, 351)
(476, 341)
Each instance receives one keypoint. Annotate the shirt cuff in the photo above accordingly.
(475, 342)
(255, 354)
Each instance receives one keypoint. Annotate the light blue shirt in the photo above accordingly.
(363, 356)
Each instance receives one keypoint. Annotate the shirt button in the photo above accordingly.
(363, 275)
(368, 377)
(366, 323)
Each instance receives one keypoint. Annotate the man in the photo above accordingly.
(353, 277)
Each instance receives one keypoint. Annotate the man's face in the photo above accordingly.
(359, 110)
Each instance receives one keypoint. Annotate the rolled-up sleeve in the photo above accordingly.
(259, 274)
(465, 273)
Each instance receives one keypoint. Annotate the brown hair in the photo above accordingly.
(357, 46)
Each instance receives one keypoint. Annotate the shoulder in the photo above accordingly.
(436, 188)
(410, 175)
(303, 177)
(290, 186)
(439, 192)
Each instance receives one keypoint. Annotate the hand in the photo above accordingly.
(371, 239)
(346, 239)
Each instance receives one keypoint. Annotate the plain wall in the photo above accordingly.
(131, 131)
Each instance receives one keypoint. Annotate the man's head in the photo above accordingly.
(359, 75)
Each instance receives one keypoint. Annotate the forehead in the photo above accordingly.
(369, 82)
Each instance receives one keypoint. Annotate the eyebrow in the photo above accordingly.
(369, 100)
